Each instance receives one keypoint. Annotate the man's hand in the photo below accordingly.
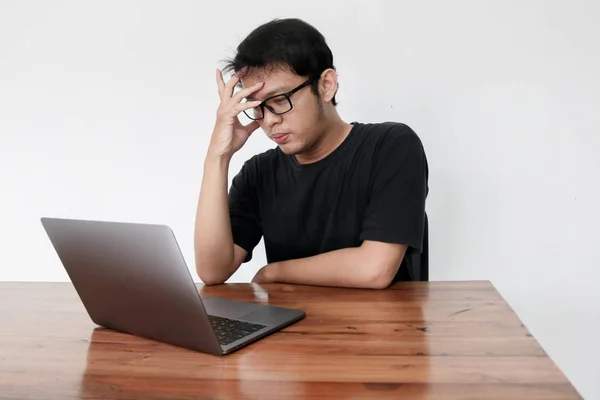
(229, 135)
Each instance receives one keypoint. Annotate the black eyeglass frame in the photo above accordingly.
(287, 95)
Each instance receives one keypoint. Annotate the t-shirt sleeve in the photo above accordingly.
(243, 209)
(396, 209)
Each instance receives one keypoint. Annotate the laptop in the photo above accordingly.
(132, 278)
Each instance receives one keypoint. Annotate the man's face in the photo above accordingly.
(295, 131)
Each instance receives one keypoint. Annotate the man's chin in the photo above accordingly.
(288, 149)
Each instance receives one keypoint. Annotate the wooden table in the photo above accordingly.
(426, 340)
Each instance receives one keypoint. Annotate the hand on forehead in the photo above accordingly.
(275, 81)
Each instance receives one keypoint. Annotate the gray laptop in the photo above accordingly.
(133, 278)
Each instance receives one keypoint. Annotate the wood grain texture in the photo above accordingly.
(424, 340)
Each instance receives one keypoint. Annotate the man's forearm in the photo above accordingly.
(349, 267)
(213, 242)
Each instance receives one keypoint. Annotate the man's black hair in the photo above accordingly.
(290, 44)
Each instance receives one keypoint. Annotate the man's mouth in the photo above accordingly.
(280, 137)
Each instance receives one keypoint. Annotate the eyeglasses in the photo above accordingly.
(278, 104)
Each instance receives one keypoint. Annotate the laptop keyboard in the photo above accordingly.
(230, 330)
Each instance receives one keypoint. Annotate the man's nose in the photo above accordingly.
(270, 119)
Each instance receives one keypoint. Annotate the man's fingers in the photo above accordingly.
(246, 106)
(230, 86)
(220, 83)
(247, 92)
(251, 127)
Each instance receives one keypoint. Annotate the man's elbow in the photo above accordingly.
(384, 260)
(211, 281)
(209, 278)
(382, 277)
(379, 283)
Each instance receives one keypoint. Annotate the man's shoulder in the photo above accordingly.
(390, 136)
(388, 130)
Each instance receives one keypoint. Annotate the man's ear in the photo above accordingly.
(328, 85)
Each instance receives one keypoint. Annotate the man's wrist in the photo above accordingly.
(216, 160)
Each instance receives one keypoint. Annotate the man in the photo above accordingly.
(338, 204)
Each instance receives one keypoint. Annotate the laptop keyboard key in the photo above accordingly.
(230, 330)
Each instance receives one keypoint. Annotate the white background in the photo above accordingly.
(106, 109)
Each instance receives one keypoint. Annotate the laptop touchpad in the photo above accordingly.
(228, 308)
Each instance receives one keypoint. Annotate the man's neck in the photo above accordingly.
(334, 134)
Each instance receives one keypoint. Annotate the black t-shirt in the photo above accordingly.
(373, 186)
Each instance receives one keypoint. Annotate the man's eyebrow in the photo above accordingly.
(280, 89)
